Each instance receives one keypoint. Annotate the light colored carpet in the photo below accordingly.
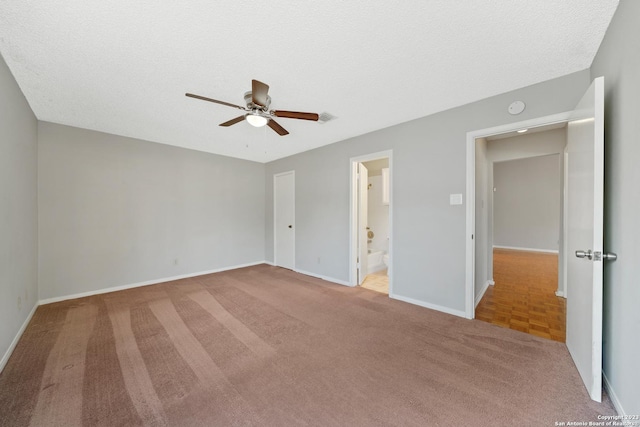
(266, 346)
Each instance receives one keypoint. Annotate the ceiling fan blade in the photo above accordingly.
(275, 126)
(232, 121)
(204, 98)
(259, 93)
(296, 115)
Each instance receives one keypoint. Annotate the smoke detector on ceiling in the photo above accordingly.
(516, 107)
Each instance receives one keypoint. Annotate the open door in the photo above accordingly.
(585, 147)
(363, 200)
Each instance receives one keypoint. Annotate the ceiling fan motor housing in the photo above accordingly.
(248, 99)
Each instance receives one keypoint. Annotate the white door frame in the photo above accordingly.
(562, 287)
(471, 194)
(363, 223)
(275, 236)
(353, 217)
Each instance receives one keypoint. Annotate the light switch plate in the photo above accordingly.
(455, 199)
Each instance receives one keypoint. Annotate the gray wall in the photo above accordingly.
(526, 203)
(115, 211)
(483, 269)
(526, 145)
(429, 163)
(18, 209)
(618, 60)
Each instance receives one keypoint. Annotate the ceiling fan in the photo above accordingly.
(257, 109)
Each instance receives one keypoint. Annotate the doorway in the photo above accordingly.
(371, 219)
(375, 217)
(519, 230)
(478, 233)
(583, 228)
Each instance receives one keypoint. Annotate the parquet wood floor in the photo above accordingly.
(523, 297)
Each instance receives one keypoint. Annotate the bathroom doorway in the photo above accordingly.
(371, 222)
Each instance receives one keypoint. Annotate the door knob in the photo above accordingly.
(597, 255)
(584, 254)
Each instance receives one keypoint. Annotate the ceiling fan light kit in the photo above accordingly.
(256, 120)
(258, 113)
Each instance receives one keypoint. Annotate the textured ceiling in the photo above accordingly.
(123, 67)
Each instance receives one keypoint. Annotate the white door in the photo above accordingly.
(284, 219)
(363, 228)
(585, 146)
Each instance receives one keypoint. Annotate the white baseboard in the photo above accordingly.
(560, 294)
(424, 304)
(613, 396)
(7, 354)
(320, 276)
(516, 248)
(145, 283)
(484, 289)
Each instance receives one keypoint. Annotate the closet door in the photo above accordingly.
(284, 220)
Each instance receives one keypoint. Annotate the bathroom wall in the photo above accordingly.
(378, 215)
